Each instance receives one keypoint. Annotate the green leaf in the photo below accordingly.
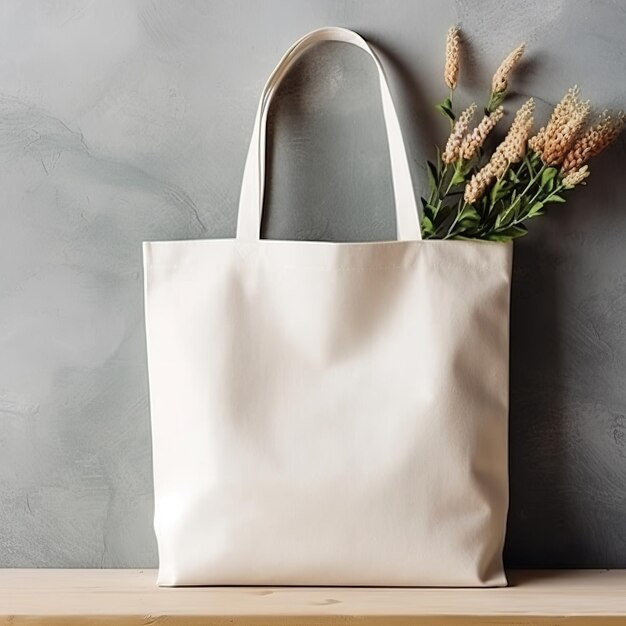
(508, 234)
(469, 216)
(458, 176)
(555, 198)
(529, 167)
(483, 205)
(495, 100)
(429, 210)
(445, 107)
(500, 221)
(547, 176)
(536, 209)
(498, 191)
(433, 175)
(513, 177)
(427, 227)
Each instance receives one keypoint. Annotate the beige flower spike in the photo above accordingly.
(500, 80)
(451, 71)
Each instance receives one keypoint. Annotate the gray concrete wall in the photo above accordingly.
(129, 120)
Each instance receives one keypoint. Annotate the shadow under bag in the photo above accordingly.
(329, 413)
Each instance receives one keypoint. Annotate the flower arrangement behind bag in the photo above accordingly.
(474, 195)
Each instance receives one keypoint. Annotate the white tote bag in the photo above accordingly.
(329, 413)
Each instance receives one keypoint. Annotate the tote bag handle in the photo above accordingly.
(252, 188)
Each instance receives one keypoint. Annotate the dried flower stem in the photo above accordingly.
(459, 130)
(575, 177)
(511, 150)
(451, 70)
(499, 82)
(595, 139)
(474, 140)
(553, 142)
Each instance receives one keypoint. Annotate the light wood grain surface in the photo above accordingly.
(131, 597)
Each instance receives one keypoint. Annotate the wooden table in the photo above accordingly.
(125, 597)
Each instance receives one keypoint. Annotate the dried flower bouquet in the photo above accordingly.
(476, 195)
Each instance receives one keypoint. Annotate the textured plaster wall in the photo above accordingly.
(128, 120)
